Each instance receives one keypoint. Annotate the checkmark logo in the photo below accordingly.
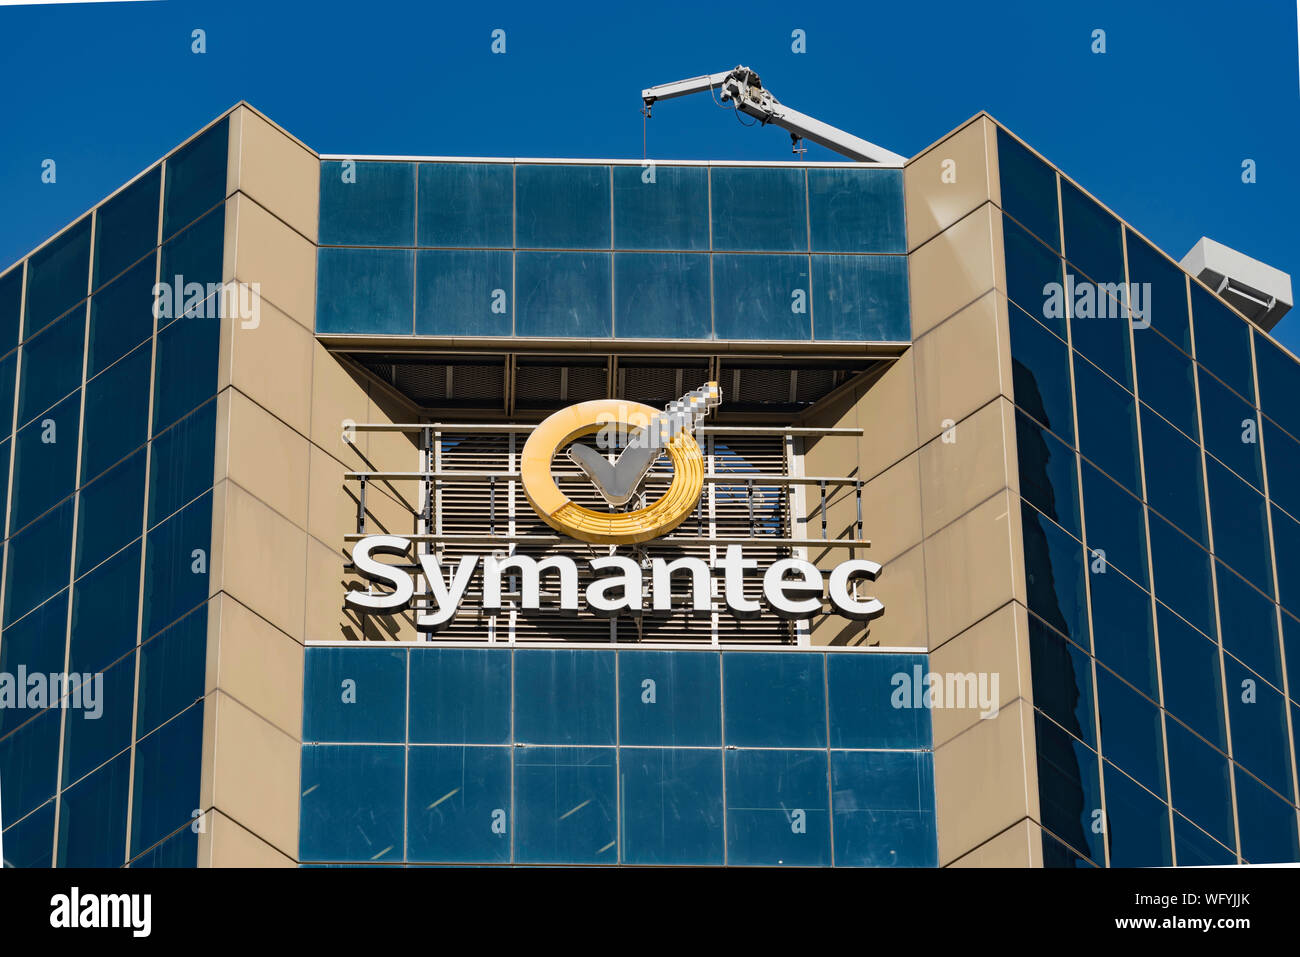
(617, 481)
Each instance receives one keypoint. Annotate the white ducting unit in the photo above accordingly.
(1261, 292)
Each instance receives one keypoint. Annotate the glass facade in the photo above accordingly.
(1156, 461)
(109, 437)
(500, 755)
(621, 251)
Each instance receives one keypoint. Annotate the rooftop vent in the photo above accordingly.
(1262, 293)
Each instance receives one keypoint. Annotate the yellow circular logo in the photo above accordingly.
(649, 433)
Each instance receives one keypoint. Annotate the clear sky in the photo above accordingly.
(1157, 127)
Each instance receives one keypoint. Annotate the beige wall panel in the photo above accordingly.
(255, 663)
(227, 844)
(996, 645)
(985, 780)
(1020, 845)
(964, 466)
(267, 458)
(950, 179)
(263, 560)
(900, 587)
(974, 566)
(271, 364)
(337, 397)
(961, 364)
(955, 268)
(277, 258)
(891, 510)
(277, 171)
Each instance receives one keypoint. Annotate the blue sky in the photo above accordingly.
(1157, 127)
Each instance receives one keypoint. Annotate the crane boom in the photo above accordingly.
(743, 88)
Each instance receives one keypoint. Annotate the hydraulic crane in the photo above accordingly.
(743, 88)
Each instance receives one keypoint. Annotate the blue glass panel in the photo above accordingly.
(167, 768)
(351, 803)
(1107, 430)
(466, 204)
(759, 209)
(1137, 823)
(367, 204)
(1165, 379)
(1279, 384)
(8, 372)
(1174, 486)
(185, 368)
(1159, 292)
(196, 178)
(98, 723)
(563, 294)
(172, 667)
(117, 413)
(668, 211)
(191, 270)
(1028, 189)
(1182, 574)
(566, 805)
(126, 227)
(1092, 236)
(1240, 525)
(1291, 636)
(459, 696)
(92, 818)
(1198, 782)
(1267, 823)
(1231, 430)
(1257, 715)
(29, 764)
(1196, 848)
(562, 207)
(28, 843)
(671, 805)
(1069, 794)
(174, 579)
(1130, 731)
(181, 464)
(564, 697)
(121, 316)
(1040, 374)
(856, 210)
(365, 291)
(884, 808)
(669, 698)
(1248, 620)
(1115, 526)
(1048, 479)
(860, 685)
(661, 296)
(38, 561)
(11, 298)
(1062, 680)
(355, 694)
(1189, 665)
(34, 643)
(761, 297)
(777, 808)
(1286, 545)
(1057, 855)
(861, 298)
(45, 461)
(463, 292)
(1099, 326)
(1054, 568)
(104, 607)
(57, 275)
(1283, 454)
(774, 699)
(458, 805)
(1222, 342)
(1034, 278)
(51, 366)
(1121, 630)
(179, 850)
(111, 511)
